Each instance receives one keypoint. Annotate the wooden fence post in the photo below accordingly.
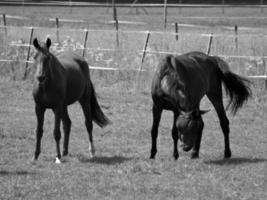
(113, 8)
(223, 6)
(116, 26)
(165, 13)
(180, 8)
(28, 56)
(265, 68)
(176, 31)
(142, 60)
(209, 44)
(4, 20)
(57, 31)
(236, 38)
(261, 5)
(70, 5)
(85, 41)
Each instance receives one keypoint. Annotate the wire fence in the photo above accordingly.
(132, 49)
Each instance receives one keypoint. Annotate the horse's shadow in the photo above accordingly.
(236, 161)
(16, 173)
(112, 160)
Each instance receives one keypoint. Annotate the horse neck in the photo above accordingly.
(57, 71)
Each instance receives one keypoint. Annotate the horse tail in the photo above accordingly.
(236, 87)
(98, 116)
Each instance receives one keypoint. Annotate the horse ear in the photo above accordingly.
(35, 43)
(202, 112)
(48, 43)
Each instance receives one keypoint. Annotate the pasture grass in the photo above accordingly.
(121, 168)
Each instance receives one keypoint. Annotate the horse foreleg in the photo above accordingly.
(39, 130)
(154, 131)
(86, 107)
(66, 127)
(57, 135)
(195, 152)
(175, 137)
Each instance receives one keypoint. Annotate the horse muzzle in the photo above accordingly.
(186, 148)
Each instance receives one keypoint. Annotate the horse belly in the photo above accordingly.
(75, 90)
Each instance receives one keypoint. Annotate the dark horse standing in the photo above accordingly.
(59, 82)
(179, 85)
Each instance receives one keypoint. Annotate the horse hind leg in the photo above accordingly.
(216, 100)
(66, 127)
(86, 107)
(154, 130)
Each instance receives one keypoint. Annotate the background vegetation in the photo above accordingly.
(121, 168)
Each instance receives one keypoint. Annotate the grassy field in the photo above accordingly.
(121, 168)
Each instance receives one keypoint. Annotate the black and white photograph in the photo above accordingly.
(133, 100)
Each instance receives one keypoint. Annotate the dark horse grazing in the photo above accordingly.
(59, 82)
(179, 85)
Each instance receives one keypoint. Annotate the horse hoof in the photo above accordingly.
(58, 160)
(194, 155)
(91, 154)
(65, 154)
(176, 156)
(33, 161)
(153, 154)
(227, 154)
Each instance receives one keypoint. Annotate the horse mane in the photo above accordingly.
(169, 76)
(169, 67)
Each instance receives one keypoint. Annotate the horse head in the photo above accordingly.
(189, 124)
(42, 60)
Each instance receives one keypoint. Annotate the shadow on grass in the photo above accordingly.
(104, 160)
(236, 161)
(15, 173)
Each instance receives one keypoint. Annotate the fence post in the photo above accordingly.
(176, 31)
(70, 5)
(28, 56)
(236, 38)
(180, 8)
(116, 26)
(165, 13)
(265, 68)
(222, 6)
(113, 7)
(4, 20)
(143, 58)
(209, 44)
(261, 5)
(57, 31)
(85, 41)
